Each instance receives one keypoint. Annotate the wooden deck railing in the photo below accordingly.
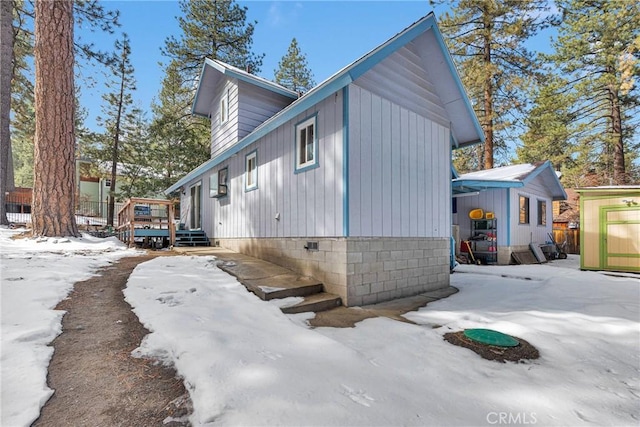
(148, 218)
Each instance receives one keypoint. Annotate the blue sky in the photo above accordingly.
(331, 33)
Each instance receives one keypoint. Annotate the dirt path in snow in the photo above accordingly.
(96, 381)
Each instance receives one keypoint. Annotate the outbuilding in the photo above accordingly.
(610, 228)
(517, 198)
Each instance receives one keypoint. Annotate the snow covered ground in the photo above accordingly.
(37, 274)
(246, 363)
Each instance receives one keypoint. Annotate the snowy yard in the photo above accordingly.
(246, 363)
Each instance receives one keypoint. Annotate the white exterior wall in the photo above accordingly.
(402, 78)
(504, 203)
(489, 201)
(256, 105)
(523, 234)
(249, 107)
(399, 170)
(224, 135)
(309, 203)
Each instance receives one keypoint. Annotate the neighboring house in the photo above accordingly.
(349, 183)
(93, 188)
(520, 198)
(610, 228)
(566, 213)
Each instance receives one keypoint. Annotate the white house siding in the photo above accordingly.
(309, 203)
(399, 167)
(226, 134)
(504, 203)
(523, 234)
(399, 200)
(256, 105)
(402, 78)
(489, 201)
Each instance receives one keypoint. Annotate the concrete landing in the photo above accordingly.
(329, 313)
(270, 281)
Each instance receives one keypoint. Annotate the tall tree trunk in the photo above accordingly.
(6, 63)
(114, 157)
(487, 124)
(619, 171)
(54, 155)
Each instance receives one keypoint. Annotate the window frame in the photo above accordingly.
(304, 125)
(542, 212)
(527, 210)
(219, 187)
(224, 108)
(251, 173)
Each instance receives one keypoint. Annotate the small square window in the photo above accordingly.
(251, 171)
(524, 210)
(542, 212)
(306, 144)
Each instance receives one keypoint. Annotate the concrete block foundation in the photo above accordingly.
(360, 270)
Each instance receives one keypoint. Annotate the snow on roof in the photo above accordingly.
(504, 173)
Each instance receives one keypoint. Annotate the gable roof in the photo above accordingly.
(213, 71)
(465, 129)
(512, 176)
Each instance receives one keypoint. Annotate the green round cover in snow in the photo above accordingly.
(490, 337)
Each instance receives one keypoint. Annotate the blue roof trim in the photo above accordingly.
(250, 78)
(333, 84)
(376, 56)
(195, 99)
(537, 171)
(459, 183)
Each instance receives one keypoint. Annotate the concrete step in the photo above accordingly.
(316, 302)
(283, 286)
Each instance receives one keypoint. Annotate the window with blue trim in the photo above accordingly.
(306, 144)
(251, 171)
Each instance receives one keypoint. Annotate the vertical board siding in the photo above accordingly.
(495, 200)
(256, 105)
(399, 168)
(402, 78)
(489, 201)
(309, 203)
(226, 134)
(523, 234)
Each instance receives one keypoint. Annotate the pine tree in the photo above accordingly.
(597, 50)
(22, 127)
(293, 71)
(179, 142)
(215, 30)
(118, 114)
(53, 205)
(136, 172)
(487, 38)
(6, 63)
(550, 126)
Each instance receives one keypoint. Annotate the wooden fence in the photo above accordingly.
(571, 236)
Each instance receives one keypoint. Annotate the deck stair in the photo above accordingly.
(191, 238)
(282, 283)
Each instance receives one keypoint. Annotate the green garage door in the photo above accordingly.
(620, 234)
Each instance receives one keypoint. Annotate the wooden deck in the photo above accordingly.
(147, 221)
